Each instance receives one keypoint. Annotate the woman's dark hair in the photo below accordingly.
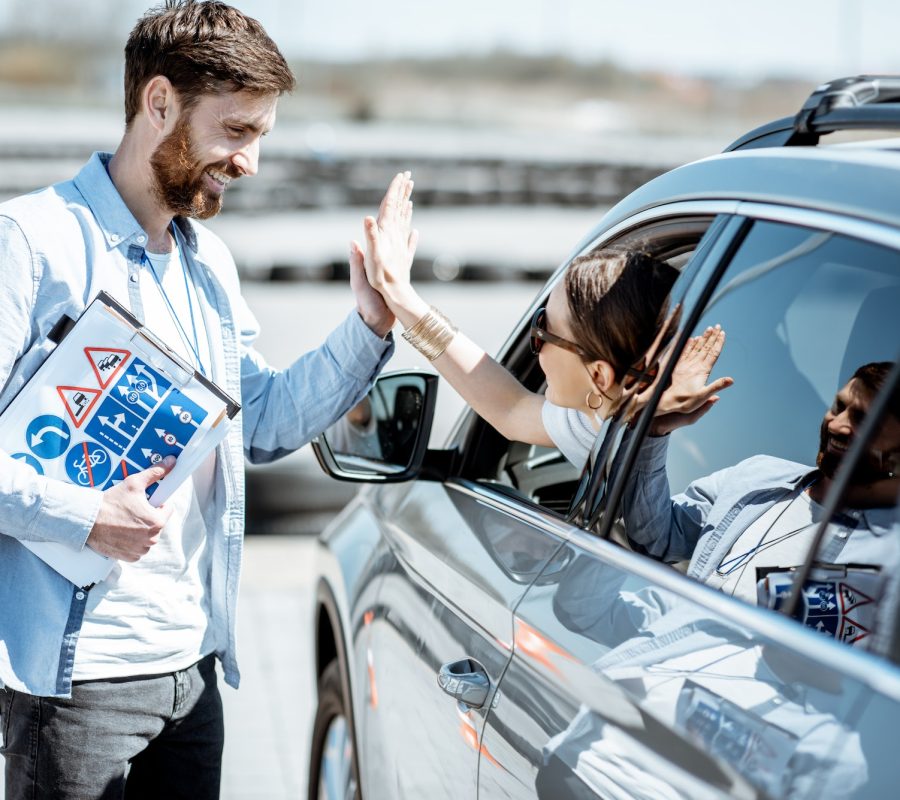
(617, 301)
(201, 47)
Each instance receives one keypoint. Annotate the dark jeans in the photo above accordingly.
(168, 728)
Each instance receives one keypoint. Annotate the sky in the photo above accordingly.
(817, 39)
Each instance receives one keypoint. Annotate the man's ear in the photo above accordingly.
(160, 103)
(602, 374)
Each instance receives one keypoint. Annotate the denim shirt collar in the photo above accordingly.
(877, 520)
(114, 218)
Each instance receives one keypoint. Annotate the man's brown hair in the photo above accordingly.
(201, 47)
(872, 377)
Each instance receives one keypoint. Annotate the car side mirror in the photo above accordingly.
(384, 437)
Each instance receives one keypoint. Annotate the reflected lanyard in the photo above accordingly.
(194, 346)
(729, 565)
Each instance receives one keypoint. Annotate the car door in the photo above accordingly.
(458, 562)
(630, 678)
(459, 556)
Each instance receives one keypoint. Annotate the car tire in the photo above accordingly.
(332, 765)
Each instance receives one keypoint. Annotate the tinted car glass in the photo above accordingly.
(802, 309)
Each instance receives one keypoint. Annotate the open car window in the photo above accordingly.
(543, 475)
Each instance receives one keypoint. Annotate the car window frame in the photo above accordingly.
(472, 435)
(460, 437)
(711, 271)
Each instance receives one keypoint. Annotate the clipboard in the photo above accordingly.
(111, 400)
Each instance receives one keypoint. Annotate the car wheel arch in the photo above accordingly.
(330, 645)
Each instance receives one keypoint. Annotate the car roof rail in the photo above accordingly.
(864, 102)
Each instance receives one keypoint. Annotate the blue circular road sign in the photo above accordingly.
(48, 436)
(31, 461)
(88, 464)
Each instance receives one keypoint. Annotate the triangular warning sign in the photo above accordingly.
(78, 401)
(106, 362)
(852, 598)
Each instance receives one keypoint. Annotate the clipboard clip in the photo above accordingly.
(172, 364)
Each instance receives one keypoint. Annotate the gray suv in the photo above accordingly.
(491, 622)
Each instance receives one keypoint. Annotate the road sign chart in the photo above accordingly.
(130, 420)
(108, 402)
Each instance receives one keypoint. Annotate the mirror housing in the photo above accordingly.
(384, 437)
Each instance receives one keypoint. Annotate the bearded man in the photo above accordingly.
(113, 690)
(747, 528)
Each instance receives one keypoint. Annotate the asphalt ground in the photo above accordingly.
(268, 720)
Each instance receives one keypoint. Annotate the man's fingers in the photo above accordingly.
(706, 394)
(357, 267)
(370, 227)
(689, 346)
(155, 473)
(695, 415)
(413, 241)
(714, 344)
(357, 256)
(721, 383)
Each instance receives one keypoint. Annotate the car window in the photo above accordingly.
(812, 328)
(540, 474)
(802, 309)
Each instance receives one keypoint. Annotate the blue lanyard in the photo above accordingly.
(195, 346)
(730, 565)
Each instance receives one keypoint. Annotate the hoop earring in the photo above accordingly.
(587, 401)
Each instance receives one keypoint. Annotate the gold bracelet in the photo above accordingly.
(431, 334)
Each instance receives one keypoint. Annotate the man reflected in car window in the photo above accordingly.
(731, 696)
(746, 528)
(355, 433)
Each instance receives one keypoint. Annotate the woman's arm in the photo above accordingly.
(483, 383)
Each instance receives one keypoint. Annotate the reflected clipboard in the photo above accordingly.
(109, 401)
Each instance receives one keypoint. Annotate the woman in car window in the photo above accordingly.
(592, 339)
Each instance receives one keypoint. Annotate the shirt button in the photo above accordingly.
(79, 595)
(133, 278)
(141, 239)
(842, 534)
(114, 237)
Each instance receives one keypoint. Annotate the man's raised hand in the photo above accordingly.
(689, 397)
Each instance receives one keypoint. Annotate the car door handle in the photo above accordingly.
(466, 681)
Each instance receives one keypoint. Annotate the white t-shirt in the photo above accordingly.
(152, 616)
(571, 432)
(840, 599)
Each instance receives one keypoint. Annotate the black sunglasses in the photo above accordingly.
(540, 335)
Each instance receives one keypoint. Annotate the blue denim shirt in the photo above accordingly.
(703, 522)
(58, 248)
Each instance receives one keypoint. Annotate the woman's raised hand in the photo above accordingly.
(391, 243)
(689, 396)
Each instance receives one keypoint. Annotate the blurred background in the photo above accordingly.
(522, 122)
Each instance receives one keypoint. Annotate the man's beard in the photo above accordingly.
(868, 469)
(179, 177)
